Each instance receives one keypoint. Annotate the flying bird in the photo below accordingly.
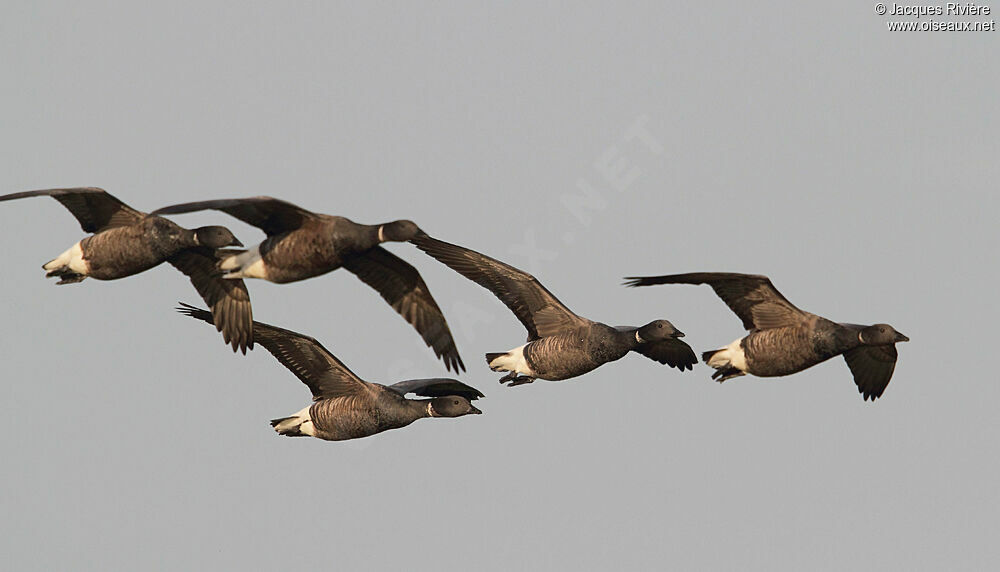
(345, 406)
(127, 242)
(561, 344)
(784, 339)
(301, 244)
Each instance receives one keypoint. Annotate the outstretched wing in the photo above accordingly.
(325, 375)
(752, 297)
(402, 287)
(94, 208)
(537, 308)
(872, 367)
(273, 216)
(672, 352)
(436, 387)
(228, 299)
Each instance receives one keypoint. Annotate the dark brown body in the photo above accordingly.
(301, 244)
(343, 418)
(124, 251)
(577, 352)
(314, 249)
(791, 349)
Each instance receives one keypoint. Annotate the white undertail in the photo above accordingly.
(301, 422)
(731, 355)
(513, 360)
(72, 259)
(247, 264)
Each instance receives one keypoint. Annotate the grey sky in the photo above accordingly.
(854, 166)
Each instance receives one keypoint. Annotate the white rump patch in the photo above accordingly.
(247, 264)
(730, 355)
(72, 259)
(513, 360)
(301, 420)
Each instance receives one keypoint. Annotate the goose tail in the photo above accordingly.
(288, 426)
(707, 356)
(728, 362)
(298, 425)
(491, 357)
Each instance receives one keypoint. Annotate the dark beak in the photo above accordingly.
(473, 410)
(678, 334)
(235, 242)
(901, 338)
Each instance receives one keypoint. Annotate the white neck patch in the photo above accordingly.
(430, 410)
(860, 339)
(638, 338)
(381, 234)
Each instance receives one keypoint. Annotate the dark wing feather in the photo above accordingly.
(402, 287)
(313, 364)
(752, 297)
(273, 216)
(537, 308)
(436, 387)
(872, 367)
(672, 352)
(94, 208)
(228, 299)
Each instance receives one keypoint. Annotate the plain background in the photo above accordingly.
(854, 166)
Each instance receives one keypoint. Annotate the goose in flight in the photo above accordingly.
(784, 339)
(561, 344)
(126, 242)
(301, 244)
(345, 406)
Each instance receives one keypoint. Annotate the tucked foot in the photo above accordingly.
(516, 380)
(65, 275)
(722, 374)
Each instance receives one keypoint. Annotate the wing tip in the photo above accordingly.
(632, 281)
(870, 394)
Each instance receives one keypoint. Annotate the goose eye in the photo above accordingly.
(454, 402)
